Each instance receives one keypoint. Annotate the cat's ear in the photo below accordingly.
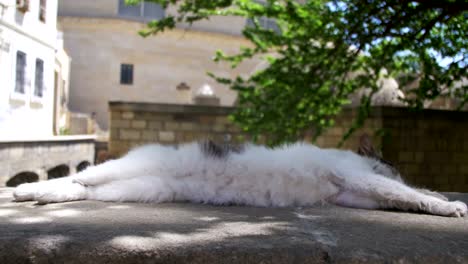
(366, 147)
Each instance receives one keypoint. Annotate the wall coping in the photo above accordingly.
(376, 111)
(71, 138)
(170, 108)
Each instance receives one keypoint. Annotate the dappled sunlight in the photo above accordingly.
(119, 207)
(207, 218)
(48, 243)
(31, 220)
(308, 217)
(215, 233)
(64, 213)
(7, 212)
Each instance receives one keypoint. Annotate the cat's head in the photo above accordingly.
(375, 160)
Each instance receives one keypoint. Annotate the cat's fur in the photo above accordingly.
(293, 175)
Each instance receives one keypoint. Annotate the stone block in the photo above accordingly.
(419, 157)
(449, 169)
(223, 120)
(456, 178)
(441, 179)
(166, 136)
(129, 134)
(138, 124)
(442, 188)
(119, 123)
(406, 156)
(207, 119)
(171, 125)
(219, 128)
(114, 134)
(115, 115)
(460, 157)
(159, 117)
(149, 135)
(156, 125)
(335, 131)
(187, 126)
(128, 115)
(463, 169)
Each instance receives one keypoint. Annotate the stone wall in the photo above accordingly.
(134, 124)
(430, 147)
(37, 160)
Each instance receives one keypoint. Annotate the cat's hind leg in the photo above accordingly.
(391, 194)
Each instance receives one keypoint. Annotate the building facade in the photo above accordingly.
(34, 71)
(111, 62)
(28, 37)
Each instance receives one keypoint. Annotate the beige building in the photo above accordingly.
(112, 62)
(34, 70)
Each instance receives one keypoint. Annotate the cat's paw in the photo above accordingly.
(25, 192)
(460, 209)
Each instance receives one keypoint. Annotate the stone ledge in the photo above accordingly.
(49, 139)
(170, 108)
(97, 232)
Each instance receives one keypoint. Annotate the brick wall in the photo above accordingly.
(430, 148)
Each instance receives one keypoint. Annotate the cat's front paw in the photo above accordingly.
(25, 192)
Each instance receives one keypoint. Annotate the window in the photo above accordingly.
(39, 79)
(126, 74)
(42, 10)
(144, 10)
(266, 23)
(20, 72)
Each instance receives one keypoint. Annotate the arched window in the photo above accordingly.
(22, 177)
(58, 172)
(83, 165)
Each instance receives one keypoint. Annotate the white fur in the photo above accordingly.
(299, 174)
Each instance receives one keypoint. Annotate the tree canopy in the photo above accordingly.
(317, 44)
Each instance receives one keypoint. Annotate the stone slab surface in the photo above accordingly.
(98, 232)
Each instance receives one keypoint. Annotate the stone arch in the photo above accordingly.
(58, 171)
(22, 177)
(82, 165)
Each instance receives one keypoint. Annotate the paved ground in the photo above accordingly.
(97, 232)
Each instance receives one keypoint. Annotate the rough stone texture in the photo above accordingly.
(98, 232)
(430, 147)
(40, 156)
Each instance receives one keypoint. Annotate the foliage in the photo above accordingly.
(320, 42)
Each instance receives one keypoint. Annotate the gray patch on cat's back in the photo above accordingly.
(219, 151)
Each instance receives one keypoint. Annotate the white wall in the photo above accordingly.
(25, 115)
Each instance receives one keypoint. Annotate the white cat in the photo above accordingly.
(293, 175)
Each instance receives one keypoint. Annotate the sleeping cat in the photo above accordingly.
(292, 175)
